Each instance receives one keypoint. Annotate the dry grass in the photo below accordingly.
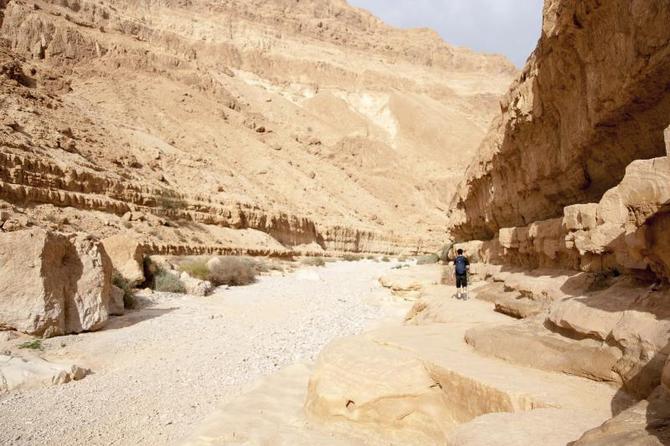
(234, 271)
(314, 261)
(168, 283)
(196, 268)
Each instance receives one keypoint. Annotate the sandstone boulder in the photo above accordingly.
(51, 284)
(127, 257)
(32, 371)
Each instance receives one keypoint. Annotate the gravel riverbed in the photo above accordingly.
(158, 371)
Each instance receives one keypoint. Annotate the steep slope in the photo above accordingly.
(312, 122)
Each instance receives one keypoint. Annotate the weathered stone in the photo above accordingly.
(32, 371)
(195, 286)
(116, 305)
(127, 257)
(565, 133)
(643, 424)
(52, 285)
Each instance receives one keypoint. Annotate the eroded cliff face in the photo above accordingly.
(593, 98)
(311, 124)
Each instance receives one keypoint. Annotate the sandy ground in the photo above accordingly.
(158, 372)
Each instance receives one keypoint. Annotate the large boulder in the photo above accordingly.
(127, 256)
(51, 284)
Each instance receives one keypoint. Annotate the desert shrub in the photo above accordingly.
(445, 252)
(233, 271)
(427, 259)
(196, 268)
(35, 344)
(385, 259)
(314, 261)
(350, 258)
(168, 283)
(128, 297)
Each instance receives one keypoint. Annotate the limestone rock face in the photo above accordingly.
(127, 257)
(51, 284)
(591, 99)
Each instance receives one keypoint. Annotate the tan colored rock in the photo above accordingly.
(116, 305)
(539, 158)
(530, 344)
(127, 257)
(411, 283)
(32, 371)
(535, 427)
(643, 424)
(424, 381)
(196, 287)
(52, 285)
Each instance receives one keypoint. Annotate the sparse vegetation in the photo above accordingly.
(350, 258)
(314, 261)
(128, 296)
(233, 271)
(385, 259)
(168, 283)
(35, 344)
(196, 268)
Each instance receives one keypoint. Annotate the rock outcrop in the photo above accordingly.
(127, 256)
(592, 99)
(27, 372)
(52, 284)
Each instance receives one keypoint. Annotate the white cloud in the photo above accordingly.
(509, 27)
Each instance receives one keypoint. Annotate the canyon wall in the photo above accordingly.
(311, 125)
(593, 98)
(575, 172)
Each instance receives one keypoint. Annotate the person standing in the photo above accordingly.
(461, 268)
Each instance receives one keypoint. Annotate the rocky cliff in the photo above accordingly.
(593, 98)
(309, 125)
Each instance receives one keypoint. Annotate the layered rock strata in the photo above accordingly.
(312, 122)
(592, 99)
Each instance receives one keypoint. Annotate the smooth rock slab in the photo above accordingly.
(22, 373)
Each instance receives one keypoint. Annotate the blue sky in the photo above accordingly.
(509, 27)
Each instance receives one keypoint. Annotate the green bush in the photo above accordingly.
(350, 258)
(233, 271)
(168, 283)
(385, 259)
(35, 344)
(196, 268)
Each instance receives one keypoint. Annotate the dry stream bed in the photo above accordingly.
(159, 371)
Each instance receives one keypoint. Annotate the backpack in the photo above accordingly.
(460, 263)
